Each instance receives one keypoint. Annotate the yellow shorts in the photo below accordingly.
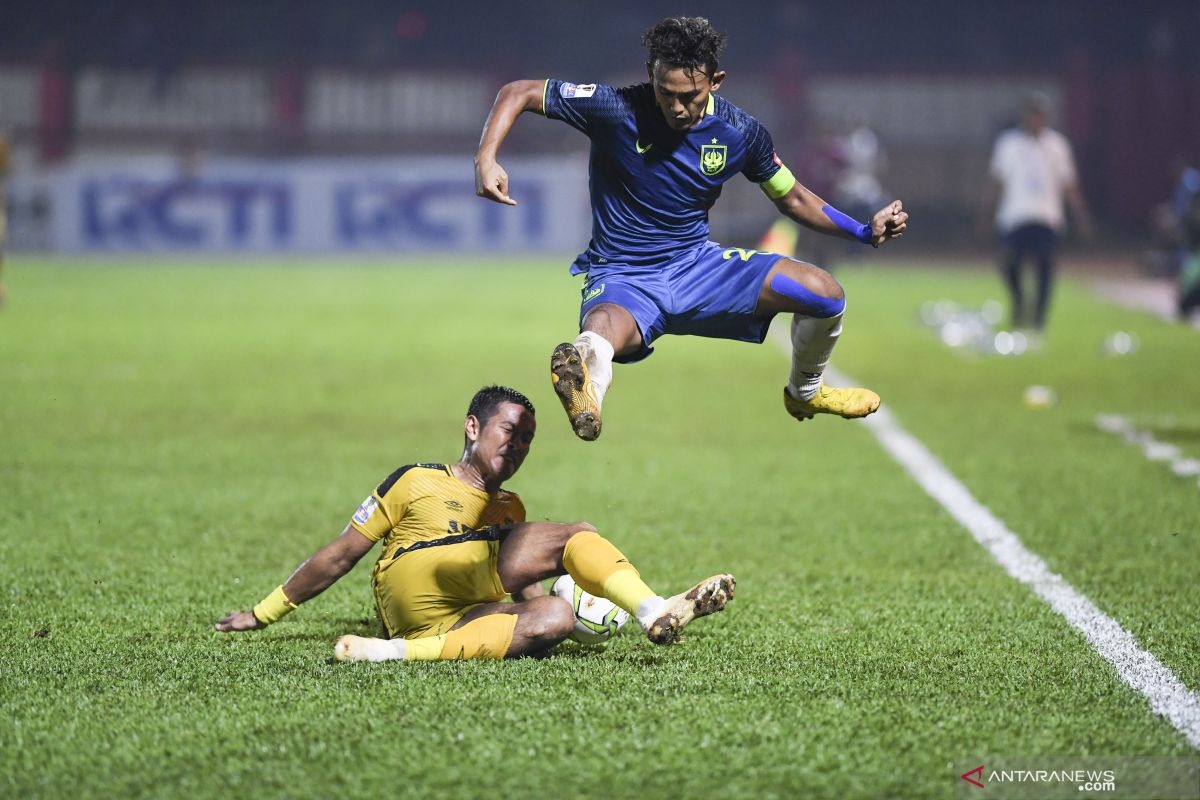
(425, 592)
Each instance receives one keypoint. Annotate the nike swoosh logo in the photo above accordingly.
(638, 146)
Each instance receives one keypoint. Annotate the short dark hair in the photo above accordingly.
(488, 399)
(688, 42)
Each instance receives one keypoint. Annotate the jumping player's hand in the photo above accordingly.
(491, 182)
(888, 223)
(239, 621)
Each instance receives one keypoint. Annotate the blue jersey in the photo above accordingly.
(652, 186)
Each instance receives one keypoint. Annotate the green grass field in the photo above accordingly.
(175, 439)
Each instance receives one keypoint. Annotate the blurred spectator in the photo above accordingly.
(1178, 227)
(857, 188)
(1170, 221)
(1032, 172)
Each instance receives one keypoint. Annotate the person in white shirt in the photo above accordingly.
(1032, 173)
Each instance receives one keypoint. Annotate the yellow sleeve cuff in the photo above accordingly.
(274, 607)
(779, 184)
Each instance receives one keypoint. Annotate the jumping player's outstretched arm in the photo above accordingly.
(311, 578)
(812, 212)
(491, 181)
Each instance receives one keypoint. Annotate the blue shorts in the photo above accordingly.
(704, 291)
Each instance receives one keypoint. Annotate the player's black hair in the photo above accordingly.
(488, 399)
(690, 43)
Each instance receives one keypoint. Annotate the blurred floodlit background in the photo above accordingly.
(301, 126)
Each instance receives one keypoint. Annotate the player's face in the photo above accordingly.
(504, 440)
(681, 94)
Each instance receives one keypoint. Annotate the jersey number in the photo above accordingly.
(744, 255)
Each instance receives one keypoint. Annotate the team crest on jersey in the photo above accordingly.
(572, 90)
(364, 511)
(712, 158)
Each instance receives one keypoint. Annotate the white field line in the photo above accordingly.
(1143, 672)
(1153, 449)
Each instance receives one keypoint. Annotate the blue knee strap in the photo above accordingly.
(815, 305)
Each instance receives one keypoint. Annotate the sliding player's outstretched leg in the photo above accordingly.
(707, 597)
(490, 630)
(600, 568)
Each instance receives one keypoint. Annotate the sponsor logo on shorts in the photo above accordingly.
(712, 158)
(592, 294)
(572, 90)
(365, 510)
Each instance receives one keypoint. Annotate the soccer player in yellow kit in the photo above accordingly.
(456, 543)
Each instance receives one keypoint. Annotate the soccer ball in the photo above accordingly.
(596, 619)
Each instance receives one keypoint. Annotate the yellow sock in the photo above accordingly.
(599, 568)
(487, 637)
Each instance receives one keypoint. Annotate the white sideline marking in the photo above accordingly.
(1143, 672)
(1153, 449)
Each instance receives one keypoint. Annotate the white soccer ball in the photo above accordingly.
(596, 619)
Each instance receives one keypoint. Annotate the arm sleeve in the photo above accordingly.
(763, 166)
(382, 509)
(582, 106)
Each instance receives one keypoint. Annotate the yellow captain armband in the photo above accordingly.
(779, 184)
(274, 607)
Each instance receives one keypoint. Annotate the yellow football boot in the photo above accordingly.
(569, 375)
(846, 403)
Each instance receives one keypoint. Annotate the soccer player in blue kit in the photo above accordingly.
(660, 154)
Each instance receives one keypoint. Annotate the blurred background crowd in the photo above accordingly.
(171, 125)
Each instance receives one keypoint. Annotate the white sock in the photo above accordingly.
(647, 612)
(597, 353)
(385, 649)
(813, 339)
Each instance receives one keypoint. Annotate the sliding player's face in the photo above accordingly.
(504, 439)
(682, 94)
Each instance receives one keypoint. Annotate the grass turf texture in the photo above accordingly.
(177, 438)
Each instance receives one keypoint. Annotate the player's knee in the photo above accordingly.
(829, 287)
(549, 620)
(811, 291)
(563, 618)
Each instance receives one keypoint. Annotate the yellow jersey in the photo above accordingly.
(425, 505)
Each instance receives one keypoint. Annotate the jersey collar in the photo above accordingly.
(708, 113)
